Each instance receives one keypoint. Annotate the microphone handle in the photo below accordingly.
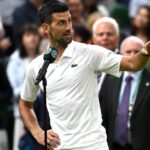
(42, 72)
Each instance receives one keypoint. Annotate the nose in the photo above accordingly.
(105, 36)
(68, 25)
(133, 53)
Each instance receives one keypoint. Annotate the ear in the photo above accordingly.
(46, 28)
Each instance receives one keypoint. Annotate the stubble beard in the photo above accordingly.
(64, 42)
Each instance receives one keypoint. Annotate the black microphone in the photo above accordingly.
(49, 57)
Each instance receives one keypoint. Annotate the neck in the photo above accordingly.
(59, 47)
(31, 53)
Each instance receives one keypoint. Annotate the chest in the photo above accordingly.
(68, 73)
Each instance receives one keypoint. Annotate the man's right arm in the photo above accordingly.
(30, 121)
(136, 62)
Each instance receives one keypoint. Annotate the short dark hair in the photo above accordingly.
(49, 8)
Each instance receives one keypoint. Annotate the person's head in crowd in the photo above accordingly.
(29, 40)
(92, 18)
(90, 6)
(131, 45)
(141, 23)
(101, 12)
(56, 22)
(105, 33)
(81, 34)
(76, 11)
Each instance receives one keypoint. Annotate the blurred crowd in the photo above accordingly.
(121, 26)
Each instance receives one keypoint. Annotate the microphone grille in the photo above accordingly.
(51, 54)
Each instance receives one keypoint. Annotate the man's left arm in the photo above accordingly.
(136, 62)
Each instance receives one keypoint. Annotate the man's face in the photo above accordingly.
(30, 40)
(106, 36)
(76, 8)
(130, 48)
(141, 20)
(60, 28)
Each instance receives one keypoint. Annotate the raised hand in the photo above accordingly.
(146, 49)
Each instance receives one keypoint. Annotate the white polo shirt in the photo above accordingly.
(72, 95)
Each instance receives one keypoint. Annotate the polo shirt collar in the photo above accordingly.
(68, 52)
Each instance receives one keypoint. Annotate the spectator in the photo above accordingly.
(76, 11)
(92, 18)
(81, 34)
(126, 113)
(7, 8)
(106, 33)
(19, 60)
(89, 7)
(27, 13)
(141, 23)
(134, 5)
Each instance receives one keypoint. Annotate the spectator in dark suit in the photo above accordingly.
(105, 32)
(125, 105)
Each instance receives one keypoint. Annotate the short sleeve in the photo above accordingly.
(104, 60)
(29, 90)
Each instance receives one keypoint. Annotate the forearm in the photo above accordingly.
(140, 61)
(29, 119)
(31, 123)
(133, 63)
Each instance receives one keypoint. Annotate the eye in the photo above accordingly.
(128, 52)
(100, 34)
(62, 22)
(110, 33)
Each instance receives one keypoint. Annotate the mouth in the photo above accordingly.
(67, 35)
(106, 44)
